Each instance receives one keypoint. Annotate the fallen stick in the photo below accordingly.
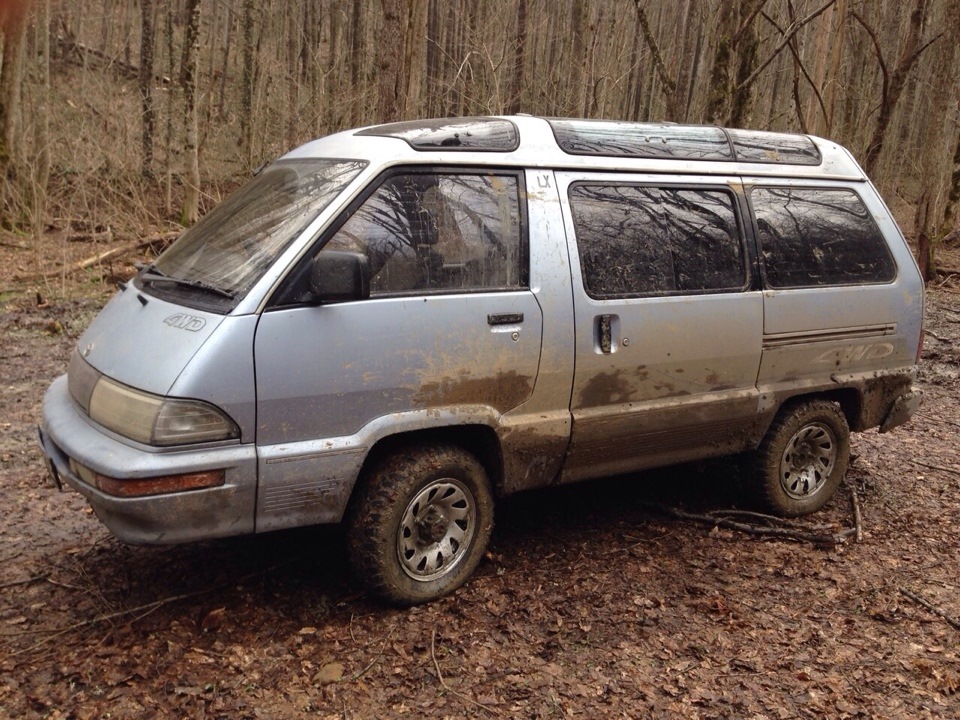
(953, 622)
(932, 334)
(939, 419)
(104, 255)
(443, 683)
(732, 514)
(944, 468)
(857, 521)
(379, 655)
(148, 607)
(820, 540)
(27, 581)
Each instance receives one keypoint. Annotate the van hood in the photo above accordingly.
(144, 342)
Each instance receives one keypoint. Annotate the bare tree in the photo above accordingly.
(188, 80)
(519, 58)
(390, 52)
(893, 83)
(246, 101)
(146, 85)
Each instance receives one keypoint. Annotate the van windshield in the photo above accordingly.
(216, 262)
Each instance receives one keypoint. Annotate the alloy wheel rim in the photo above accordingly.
(808, 461)
(436, 529)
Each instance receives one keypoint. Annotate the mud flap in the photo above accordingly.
(902, 410)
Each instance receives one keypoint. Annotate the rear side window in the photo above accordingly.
(429, 232)
(637, 240)
(819, 236)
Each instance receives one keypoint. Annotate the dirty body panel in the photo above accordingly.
(450, 336)
(668, 327)
(847, 324)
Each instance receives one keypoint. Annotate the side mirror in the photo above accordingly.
(339, 276)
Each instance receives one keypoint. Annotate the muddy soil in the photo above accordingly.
(591, 602)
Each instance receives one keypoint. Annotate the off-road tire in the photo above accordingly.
(802, 459)
(405, 485)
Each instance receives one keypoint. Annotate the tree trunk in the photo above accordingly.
(934, 222)
(719, 88)
(746, 43)
(519, 59)
(389, 64)
(246, 99)
(909, 55)
(42, 167)
(434, 59)
(11, 81)
(414, 57)
(191, 198)
(577, 64)
(356, 63)
(146, 86)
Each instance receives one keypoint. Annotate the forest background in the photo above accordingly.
(119, 118)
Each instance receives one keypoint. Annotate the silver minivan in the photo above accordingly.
(393, 326)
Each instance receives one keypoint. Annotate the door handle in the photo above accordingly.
(504, 318)
(605, 334)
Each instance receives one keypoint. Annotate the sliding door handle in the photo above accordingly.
(605, 334)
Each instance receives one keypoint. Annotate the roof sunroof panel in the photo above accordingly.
(470, 133)
(641, 140)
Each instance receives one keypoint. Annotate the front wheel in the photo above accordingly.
(420, 523)
(803, 458)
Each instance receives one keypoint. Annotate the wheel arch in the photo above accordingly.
(481, 441)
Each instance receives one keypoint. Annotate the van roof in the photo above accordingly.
(600, 144)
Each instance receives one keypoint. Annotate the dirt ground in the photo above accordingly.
(591, 602)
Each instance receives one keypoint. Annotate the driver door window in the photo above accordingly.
(439, 233)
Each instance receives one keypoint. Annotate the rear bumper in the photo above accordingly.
(177, 517)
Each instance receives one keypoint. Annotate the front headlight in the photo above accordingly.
(147, 418)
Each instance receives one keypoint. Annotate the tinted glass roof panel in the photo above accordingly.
(641, 140)
(469, 133)
(778, 148)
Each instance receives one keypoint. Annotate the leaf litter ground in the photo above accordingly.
(590, 603)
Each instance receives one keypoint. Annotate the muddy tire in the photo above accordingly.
(420, 523)
(801, 461)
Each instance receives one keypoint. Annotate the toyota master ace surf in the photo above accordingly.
(393, 326)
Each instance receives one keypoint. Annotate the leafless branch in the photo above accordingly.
(27, 581)
(376, 659)
(953, 622)
(792, 45)
(885, 85)
(443, 683)
(818, 539)
(857, 518)
(944, 468)
(749, 20)
(670, 86)
(790, 32)
(145, 609)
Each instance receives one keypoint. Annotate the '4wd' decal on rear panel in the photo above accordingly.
(855, 353)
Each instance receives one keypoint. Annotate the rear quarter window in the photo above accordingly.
(811, 237)
(637, 241)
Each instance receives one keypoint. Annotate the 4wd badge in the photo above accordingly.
(185, 322)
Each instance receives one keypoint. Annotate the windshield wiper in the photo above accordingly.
(150, 274)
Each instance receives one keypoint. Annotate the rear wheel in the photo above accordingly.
(803, 458)
(420, 523)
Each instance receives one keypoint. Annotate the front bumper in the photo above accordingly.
(176, 517)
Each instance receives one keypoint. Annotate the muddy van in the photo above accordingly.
(392, 327)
